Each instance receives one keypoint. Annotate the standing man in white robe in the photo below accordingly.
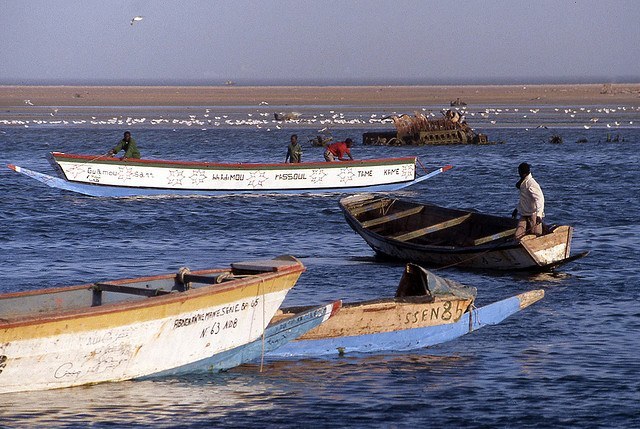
(531, 204)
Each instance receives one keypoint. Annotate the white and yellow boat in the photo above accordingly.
(127, 329)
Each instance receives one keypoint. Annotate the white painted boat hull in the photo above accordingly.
(236, 177)
(114, 341)
(131, 350)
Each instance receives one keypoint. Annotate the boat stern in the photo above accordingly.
(550, 249)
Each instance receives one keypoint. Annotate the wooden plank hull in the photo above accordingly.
(390, 316)
(410, 338)
(437, 236)
(84, 335)
(505, 257)
(100, 176)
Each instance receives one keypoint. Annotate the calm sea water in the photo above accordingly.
(570, 360)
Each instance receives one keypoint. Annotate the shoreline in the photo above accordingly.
(13, 96)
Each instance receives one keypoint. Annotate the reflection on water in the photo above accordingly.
(547, 277)
(224, 396)
(148, 403)
(344, 368)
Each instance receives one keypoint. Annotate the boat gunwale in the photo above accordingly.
(159, 163)
(405, 300)
(136, 304)
(380, 309)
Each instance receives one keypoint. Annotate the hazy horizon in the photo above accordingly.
(345, 82)
(329, 42)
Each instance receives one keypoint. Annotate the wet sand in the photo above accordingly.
(214, 96)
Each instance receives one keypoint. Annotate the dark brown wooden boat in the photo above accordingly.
(440, 236)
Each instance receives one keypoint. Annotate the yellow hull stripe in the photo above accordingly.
(111, 316)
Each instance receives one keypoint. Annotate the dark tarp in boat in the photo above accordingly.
(416, 281)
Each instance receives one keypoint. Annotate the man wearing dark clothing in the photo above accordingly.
(294, 151)
(128, 145)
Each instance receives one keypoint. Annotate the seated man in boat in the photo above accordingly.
(294, 151)
(530, 205)
(128, 145)
(337, 151)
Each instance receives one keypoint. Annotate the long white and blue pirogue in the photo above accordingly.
(427, 310)
(104, 176)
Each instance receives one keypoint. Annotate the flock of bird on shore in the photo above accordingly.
(263, 118)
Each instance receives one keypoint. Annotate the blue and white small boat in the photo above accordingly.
(427, 310)
(104, 176)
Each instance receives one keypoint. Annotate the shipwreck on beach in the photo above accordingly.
(420, 130)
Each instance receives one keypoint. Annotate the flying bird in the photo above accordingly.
(136, 19)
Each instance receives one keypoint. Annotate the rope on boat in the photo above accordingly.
(421, 165)
(229, 276)
(490, 249)
(464, 260)
(224, 277)
(386, 209)
(263, 325)
(94, 159)
(472, 308)
(183, 271)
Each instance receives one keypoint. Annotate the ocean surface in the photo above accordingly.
(570, 360)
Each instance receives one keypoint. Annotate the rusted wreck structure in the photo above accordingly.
(419, 130)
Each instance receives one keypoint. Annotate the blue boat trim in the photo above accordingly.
(403, 340)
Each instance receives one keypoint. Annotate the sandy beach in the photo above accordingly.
(539, 95)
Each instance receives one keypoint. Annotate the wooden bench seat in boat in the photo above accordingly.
(391, 217)
(494, 237)
(406, 236)
(376, 204)
(183, 281)
(108, 287)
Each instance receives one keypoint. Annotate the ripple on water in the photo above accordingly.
(569, 360)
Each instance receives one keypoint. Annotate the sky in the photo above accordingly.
(319, 42)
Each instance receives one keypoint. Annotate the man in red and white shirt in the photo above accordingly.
(337, 151)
